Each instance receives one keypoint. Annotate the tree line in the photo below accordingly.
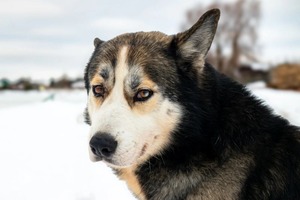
(63, 82)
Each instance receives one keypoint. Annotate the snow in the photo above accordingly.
(284, 102)
(44, 151)
(44, 146)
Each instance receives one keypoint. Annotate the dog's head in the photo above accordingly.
(133, 84)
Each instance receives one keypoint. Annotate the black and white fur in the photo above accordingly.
(174, 128)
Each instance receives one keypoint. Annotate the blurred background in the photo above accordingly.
(46, 44)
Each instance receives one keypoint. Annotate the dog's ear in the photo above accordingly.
(97, 42)
(194, 43)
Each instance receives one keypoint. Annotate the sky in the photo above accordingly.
(44, 39)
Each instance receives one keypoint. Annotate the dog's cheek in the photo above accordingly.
(170, 117)
(166, 121)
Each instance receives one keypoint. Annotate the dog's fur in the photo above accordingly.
(199, 135)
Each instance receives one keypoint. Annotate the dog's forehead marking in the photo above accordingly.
(121, 72)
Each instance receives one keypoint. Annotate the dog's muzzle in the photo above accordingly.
(103, 145)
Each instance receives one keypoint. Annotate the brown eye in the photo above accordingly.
(143, 95)
(98, 90)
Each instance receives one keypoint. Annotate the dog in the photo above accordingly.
(174, 128)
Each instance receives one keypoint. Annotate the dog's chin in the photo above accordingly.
(118, 164)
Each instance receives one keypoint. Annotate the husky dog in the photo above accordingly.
(174, 128)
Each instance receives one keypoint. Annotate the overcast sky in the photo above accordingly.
(48, 38)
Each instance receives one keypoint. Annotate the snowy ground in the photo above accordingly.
(43, 150)
(43, 146)
(285, 103)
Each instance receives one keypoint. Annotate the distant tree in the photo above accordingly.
(236, 37)
(4, 84)
(62, 82)
(25, 84)
(52, 83)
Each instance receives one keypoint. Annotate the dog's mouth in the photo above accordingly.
(116, 162)
(95, 158)
(109, 160)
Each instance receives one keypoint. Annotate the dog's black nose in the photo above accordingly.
(103, 145)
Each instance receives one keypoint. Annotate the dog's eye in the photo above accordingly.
(143, 95)
(98, 90)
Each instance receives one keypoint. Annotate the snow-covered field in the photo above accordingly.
(44, 150)
(43, 146)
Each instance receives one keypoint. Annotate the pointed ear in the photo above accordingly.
(195, 42)
(97, 42)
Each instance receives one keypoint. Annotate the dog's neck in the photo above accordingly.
(144, 179)
(130, 177)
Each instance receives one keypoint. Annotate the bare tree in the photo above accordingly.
(236, 37)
